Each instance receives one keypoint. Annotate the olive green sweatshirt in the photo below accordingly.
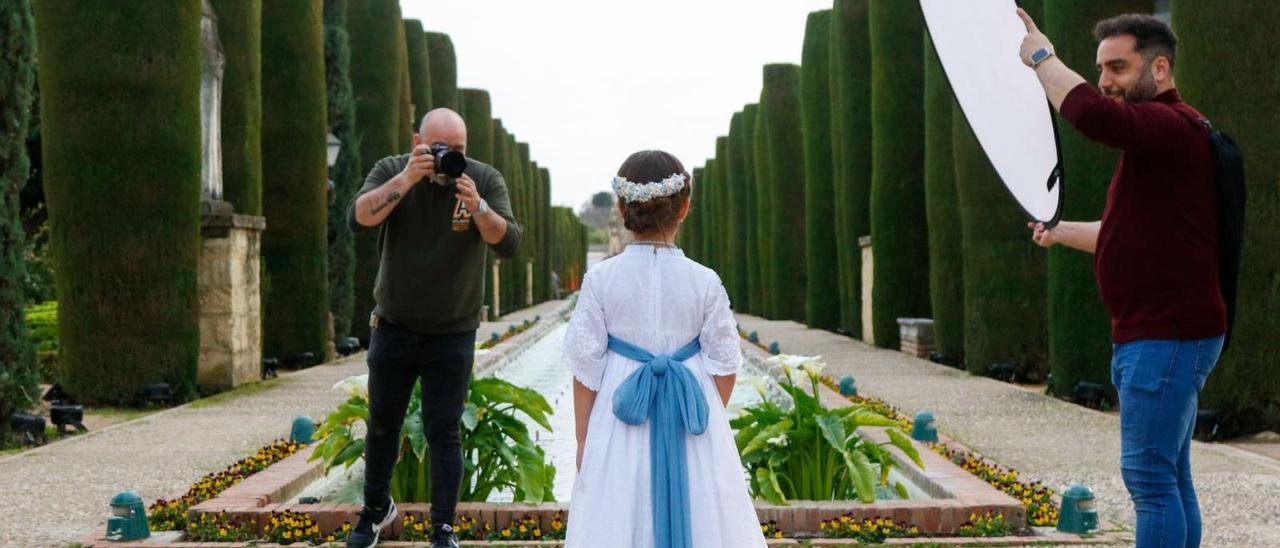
(431, 256)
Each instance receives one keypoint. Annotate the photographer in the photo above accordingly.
(434, 220)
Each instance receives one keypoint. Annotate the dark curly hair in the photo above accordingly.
(662, 213)
(1152, 36)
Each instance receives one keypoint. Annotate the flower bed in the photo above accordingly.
(171, 514)
(496, 338)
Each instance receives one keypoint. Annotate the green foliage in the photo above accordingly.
(569, 254)
(240, 32)
(781, 119)
(851, 149)
(419, 69)
(711, 213)
(1226, 67)
(1004, 289)
(479, 119)
(724, 210)
(498, 452)
(739, 221)
(899, 233)
(407, 125)
(691, 232)
(444, 71)
(822, 267)
(1079, 326)
(764, 213)
(371, 27)
(295, 179)
(748, 216)
(17, 81)
(346, 171)
(946, 255)
(812, 452)
(126, 281)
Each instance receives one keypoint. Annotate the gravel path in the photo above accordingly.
(1042, 437)
(57, 494)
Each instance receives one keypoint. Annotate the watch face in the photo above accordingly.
(1039, 55)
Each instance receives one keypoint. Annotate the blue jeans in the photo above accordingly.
(1159, 384)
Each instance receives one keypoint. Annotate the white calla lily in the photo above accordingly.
(354, 386)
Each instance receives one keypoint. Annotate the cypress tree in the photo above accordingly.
(724, 214)
(822, 289)
(738, 227)
(345, 173)
(711, 229)
(748, 219)
(764, 209)
(501, 161)
(240, 31)
(419, 70)
(781, 124)
(479, 122)
(1230, 75)
(851, 149)
(693, 224)
(18, 377)
(375, 81)
(522, 211)
(1079, 326)
(126, 282)
(407, 123)
(946, 257)
(899, 235)
(544, 235)
(444, 71)
(294, 172)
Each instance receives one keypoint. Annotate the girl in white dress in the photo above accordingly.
(653, 347)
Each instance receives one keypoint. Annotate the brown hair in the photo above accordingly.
(661, 213)
(1152, 36)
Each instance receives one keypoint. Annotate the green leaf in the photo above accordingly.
(902, 490)
(767, 486)
(904, 444)
(832, 429)
(415, 434)
(469, 416)
(859, 470)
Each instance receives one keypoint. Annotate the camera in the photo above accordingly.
(450, 164)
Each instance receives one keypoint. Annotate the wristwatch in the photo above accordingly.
(1040, 56)
(483, 207)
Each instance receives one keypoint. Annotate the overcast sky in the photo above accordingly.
(587, 82)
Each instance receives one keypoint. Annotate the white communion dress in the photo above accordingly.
(657, 299)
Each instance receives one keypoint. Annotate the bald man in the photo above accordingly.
(432, 234)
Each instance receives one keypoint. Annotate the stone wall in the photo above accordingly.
(230, 304)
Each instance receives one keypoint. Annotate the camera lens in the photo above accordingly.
(452, 163)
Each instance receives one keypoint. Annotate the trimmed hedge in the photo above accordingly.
(851, 149)
(375, 80)
(544, 233)
(724, 210)
(295, 179)
(692, 231)
(822, 288)
(942, 208)
(570, 257)
(899, 233)
(1079, 326)
(444, 71)
(407, 125)
(1004, 289)
(240, 31)
(111, 264)
(748, 215)
(18, 376)
(419, 70)
(346, 172)
(520, 207)
(740, 219)
(1227, 69)
(479, 121)
(764, 216)
(785, 152)
(711, 229)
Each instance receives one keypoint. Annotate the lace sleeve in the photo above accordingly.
(719, 337)
(586, 341)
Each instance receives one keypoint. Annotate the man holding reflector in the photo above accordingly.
(1157, 250)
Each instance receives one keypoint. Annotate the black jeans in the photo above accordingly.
(398, 358)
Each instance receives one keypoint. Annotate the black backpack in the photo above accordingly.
(1231, 200)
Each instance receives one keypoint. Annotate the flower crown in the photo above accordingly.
(643, 192)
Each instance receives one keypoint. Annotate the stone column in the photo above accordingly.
(868, 335)
(230, 305)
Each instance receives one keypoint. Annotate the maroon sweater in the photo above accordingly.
(1157, 256)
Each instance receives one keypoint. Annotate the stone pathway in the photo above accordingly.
(1044, 438)
(56, 494)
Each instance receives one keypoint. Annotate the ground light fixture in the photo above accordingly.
(1078, 515)
(302, 430)
(847, 386)
(127, 521)
(28, 427)
(1002, 371)
(159, 393)
(348, 346)
(1207, 421)
(66, 414)
(270, 367)
(925, 428)
(1090, 394)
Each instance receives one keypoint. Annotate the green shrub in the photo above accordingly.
(851, 149)
(764, 213)
(1226, 69)
(899, 233)
(739, 221)
(946, 254)
(419, 69)
(240, 32)
(822, 263)
(444, 71)
(295, 174)
(748, 214)
(346, 172)
(126, 282)
(781, 123)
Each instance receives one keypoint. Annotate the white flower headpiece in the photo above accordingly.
(638, 192)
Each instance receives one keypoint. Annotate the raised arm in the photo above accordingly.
(1081, 236)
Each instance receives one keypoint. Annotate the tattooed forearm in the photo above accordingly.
(391, 199)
